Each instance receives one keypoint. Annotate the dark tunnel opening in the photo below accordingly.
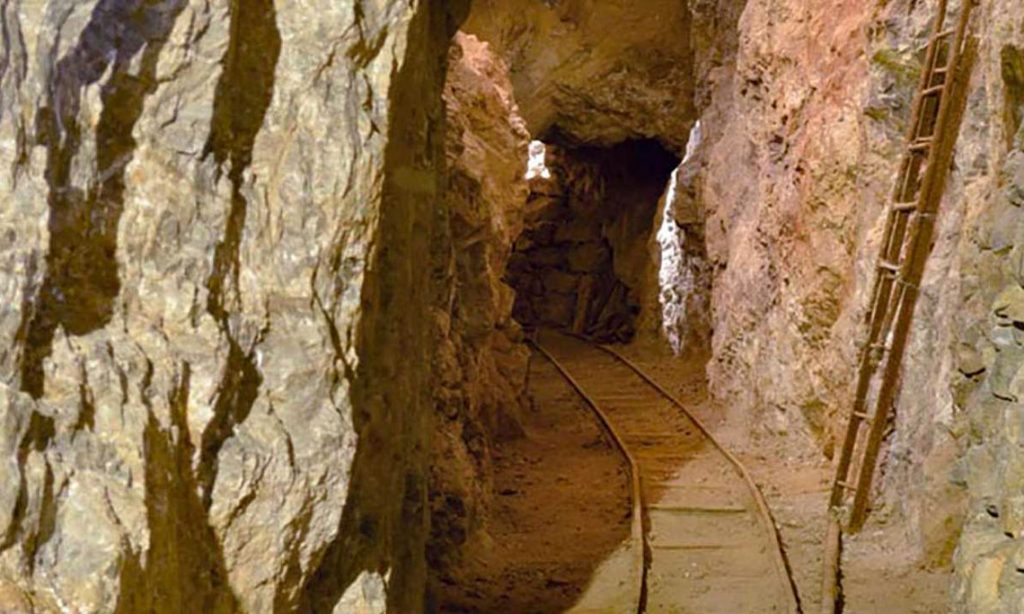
(582, 260)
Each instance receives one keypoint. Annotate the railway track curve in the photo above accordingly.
(709, 543)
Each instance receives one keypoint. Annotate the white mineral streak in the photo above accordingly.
(536, 167)
(677, 273)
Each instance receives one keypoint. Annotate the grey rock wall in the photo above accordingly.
(213, 369)
(989, 357)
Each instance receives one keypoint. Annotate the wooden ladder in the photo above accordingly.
(906, 244)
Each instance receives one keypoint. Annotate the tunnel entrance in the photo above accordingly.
(582, 263)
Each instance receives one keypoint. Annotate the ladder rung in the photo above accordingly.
(921, 144)
(889, 266)
(862, 415)
(941, 70)
(901, 207)
(880, 346)
(944, 34)
(846, 485)
(933, 90)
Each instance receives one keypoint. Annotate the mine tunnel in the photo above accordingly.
(581, 261)
(512, 306)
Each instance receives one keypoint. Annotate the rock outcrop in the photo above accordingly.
(987, 357)
(682, 314)
(480, 360)
(214, 374)
(597, 72)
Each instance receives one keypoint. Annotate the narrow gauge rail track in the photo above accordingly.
(709, 543)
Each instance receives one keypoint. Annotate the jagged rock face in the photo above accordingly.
(783, 146)
(215, 374)
(988, 356)
(481, 362)
(681, 313)
(594, 71)
(801, 142)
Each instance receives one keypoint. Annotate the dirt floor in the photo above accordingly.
(563, 500)
(561, 507)
(878, 574)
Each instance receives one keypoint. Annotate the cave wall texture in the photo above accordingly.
(801, 140)
(252, 274)
(988, 354)
(480, 358)
(596, 71)
(213, 374)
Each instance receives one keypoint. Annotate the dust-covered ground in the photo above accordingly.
(879, 576)
(561, 507)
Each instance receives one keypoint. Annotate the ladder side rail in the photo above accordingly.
(894, 234)
(915, 117)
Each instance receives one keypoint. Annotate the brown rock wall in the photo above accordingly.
(800, 147)
(599, 72)
(481, 361)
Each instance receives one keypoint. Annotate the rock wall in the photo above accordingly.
(989, 356)
(214, 374)
(801, 140)
(594, 71)
(682, 315)
(788, 182)
(480, 360)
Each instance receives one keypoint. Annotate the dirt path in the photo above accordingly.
(711, 549)
(879, 575)
(561, 508)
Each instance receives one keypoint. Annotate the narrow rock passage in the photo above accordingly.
(710, 549)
